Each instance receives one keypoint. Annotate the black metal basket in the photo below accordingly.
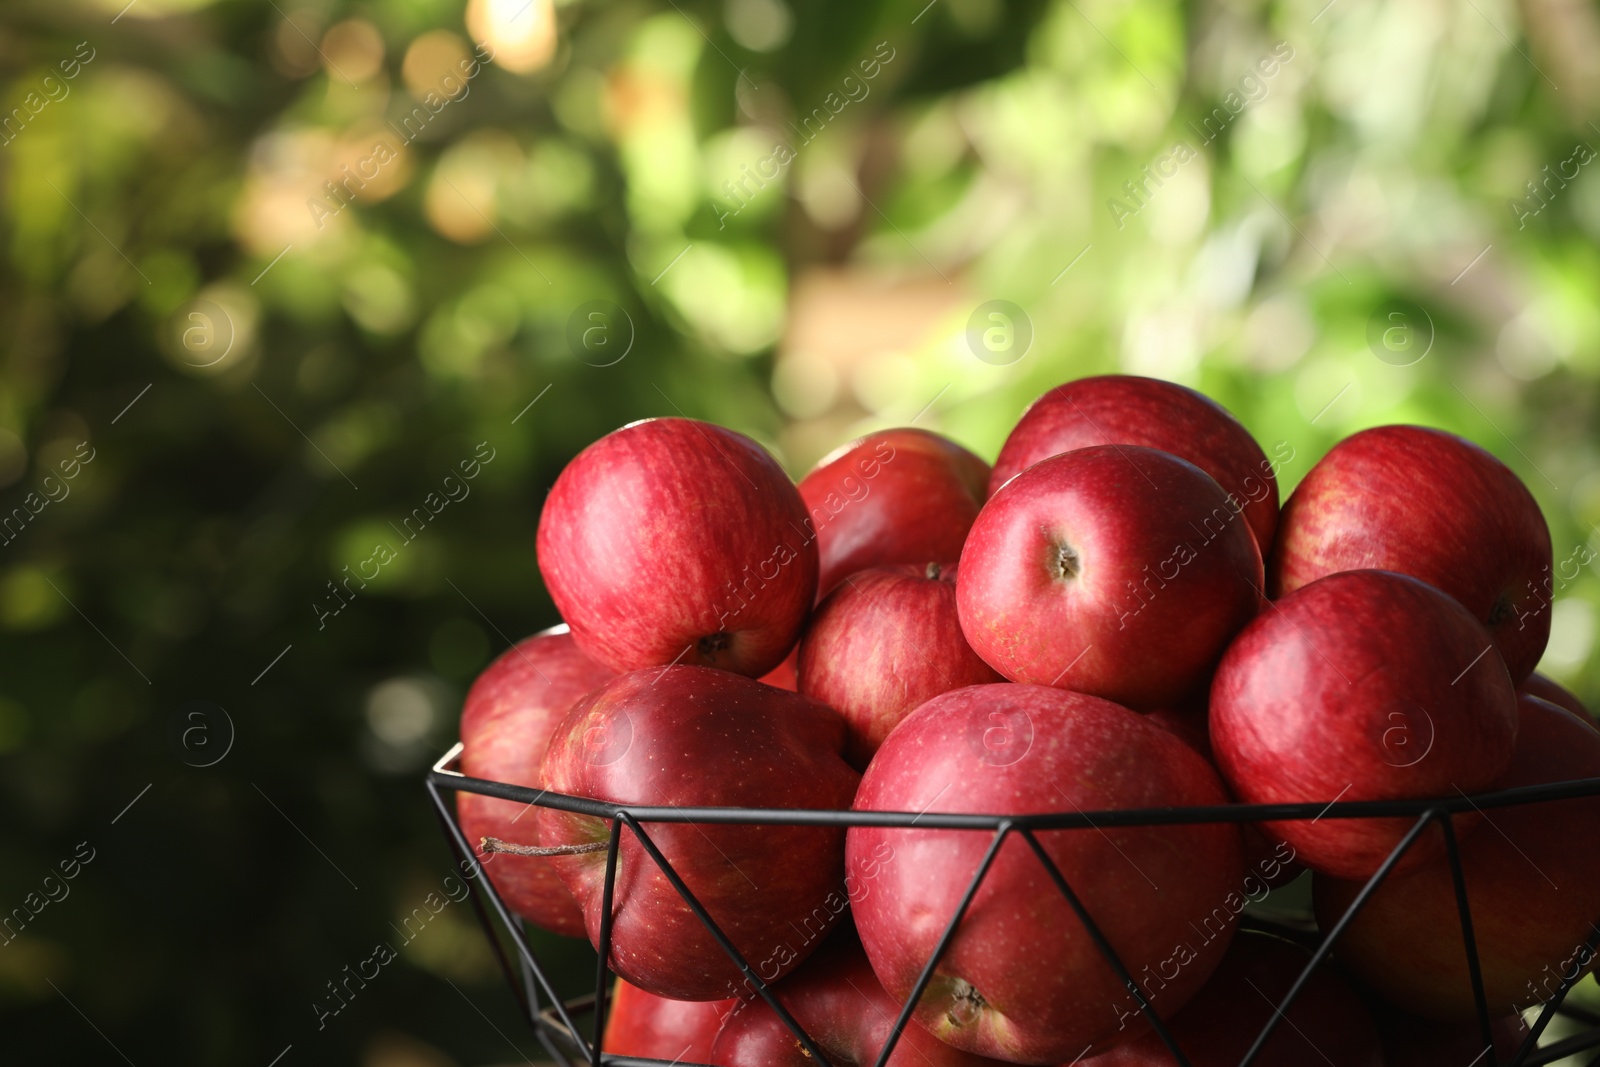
(554, 1019)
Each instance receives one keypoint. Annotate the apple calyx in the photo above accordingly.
(494, 844)
(966, 1003)
(1501, 610)
(1064, 563)
(711, 644)
(932, 572)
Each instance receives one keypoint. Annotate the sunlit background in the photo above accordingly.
(279, 267)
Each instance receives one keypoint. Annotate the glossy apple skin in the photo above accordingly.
(1437, 507)
(676, 541)
(1549, 689)
(650, 1027)
(883, 642)
(1533, 884)
(1117, 571)
(1021, 980)
(1124, 409)
(1365, 685)
(902, 496)
(506, 722)
(1327, 1024)
(689, 737)
(839, 1003)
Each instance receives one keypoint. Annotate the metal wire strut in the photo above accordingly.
(554, 1019)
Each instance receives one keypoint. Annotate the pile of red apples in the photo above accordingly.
(1116, 615)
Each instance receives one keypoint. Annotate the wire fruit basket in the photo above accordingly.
(555, 1020)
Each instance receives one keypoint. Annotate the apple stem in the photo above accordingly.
(494, 844)
(932, 572)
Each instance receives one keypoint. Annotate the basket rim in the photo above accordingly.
(444, 773)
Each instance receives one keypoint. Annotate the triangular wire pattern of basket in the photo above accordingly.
(555, 1024)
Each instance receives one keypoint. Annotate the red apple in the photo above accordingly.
(1122, 409)
(506, 722)
(1327, 1023)
(839, 1003)
(1021, 979)
(884, 641)
(1549, 689)
(1533, 884)
(646, 1026)
(1434, 506)
(895, 496)
(691, 737)
(1365, 685)
(676, 541)
(1117, 571)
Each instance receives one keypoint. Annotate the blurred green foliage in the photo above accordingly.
(799, 207)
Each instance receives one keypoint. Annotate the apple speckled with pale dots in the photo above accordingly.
(1125, 409)
(1114, 570)
(845, 1010)
(646, 1026)
(687, 736)
(901, 496)
(883, 642)
(1533, 884)
(509, 715)
(1022, 979)
(1364, 685)
(678, 541)
(1437, 507)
